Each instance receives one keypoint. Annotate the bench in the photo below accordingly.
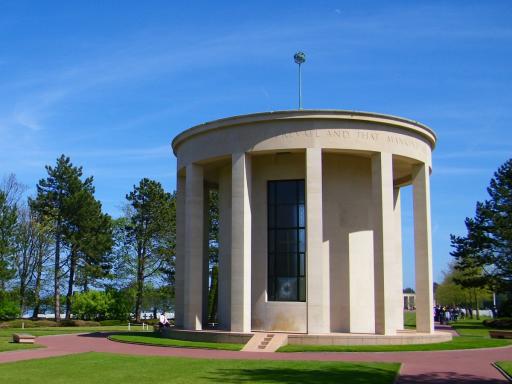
(23, 338)
(501, 334)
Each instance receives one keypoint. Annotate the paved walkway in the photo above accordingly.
(463, 366)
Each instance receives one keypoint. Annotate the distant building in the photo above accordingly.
(410, 301)
(310, 231)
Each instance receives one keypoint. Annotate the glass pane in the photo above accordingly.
(286, 288)
(271, 290)
(271, 192)
(271, 216)
(271, 241)
(300, 187)
(302, 240)
(302, 265)
(302, 289)
(286, 216)
(302, 216)
(286, 192)
(286, 264)
(286, 240)
(271, 263)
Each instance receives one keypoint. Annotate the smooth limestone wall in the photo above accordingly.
(348, 233)
(267, 315)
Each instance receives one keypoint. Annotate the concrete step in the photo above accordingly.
(265, 342)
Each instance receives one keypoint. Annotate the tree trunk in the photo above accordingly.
(86, 284)
(71, 282)
(476, 302)
(140, 284)
(22, 298)
(56, 274)
(37, 287)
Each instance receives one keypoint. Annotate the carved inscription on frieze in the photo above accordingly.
(386, 138)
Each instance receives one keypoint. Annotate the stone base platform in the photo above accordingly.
(401, 338)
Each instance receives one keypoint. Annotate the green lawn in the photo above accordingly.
(409, 319)
(154, 339)
(506, 366)
(456, 343)
(122, 369)
(469, 327)
(6, 334)
(473, 334)
(6, 344)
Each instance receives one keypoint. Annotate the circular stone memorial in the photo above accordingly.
(310, 238)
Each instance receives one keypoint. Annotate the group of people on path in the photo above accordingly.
(444, 314)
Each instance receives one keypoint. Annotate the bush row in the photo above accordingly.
(47, 323)
(502, 323)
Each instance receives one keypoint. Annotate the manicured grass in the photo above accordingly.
(6, 344)
(473, 334)
(506, 366)
(122, 369)
(155, 339)
(6, 334)
(409, 319)
(470, 327)
(456, 343)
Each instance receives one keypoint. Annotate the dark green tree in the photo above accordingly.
(53, 202)
(8, 222)
(88, 233)
(149, 233)
(484, 254)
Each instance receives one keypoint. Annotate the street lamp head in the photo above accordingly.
(299, 57)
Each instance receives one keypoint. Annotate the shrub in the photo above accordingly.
(28, 323)
(79, 323)
(503, 323)
(92, 305)
(8, 309)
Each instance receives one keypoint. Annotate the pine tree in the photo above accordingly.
(149, 232)
(52, 202)
(484, 255)
(88, 234)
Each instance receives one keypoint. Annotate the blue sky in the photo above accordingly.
(111, 83)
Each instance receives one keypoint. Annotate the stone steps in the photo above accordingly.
(265, 342)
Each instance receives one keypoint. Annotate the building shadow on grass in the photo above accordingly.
(281, 375)
(110, 333)
(100, 335)
(447, 377)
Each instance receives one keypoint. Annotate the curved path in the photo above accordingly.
(462, 366)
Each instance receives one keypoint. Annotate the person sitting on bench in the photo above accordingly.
(164, 323)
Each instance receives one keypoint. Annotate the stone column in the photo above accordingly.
(224, 305)
(398, 288)
(317, 260)
(423, 249)
(180, 250)
(194, 249)
(241, 243)
(206, 250)
(383, 241)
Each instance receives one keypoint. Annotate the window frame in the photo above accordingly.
(274, 254)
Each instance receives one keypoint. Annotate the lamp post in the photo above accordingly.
(300, 58)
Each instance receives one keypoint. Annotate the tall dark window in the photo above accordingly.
(286, 241)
